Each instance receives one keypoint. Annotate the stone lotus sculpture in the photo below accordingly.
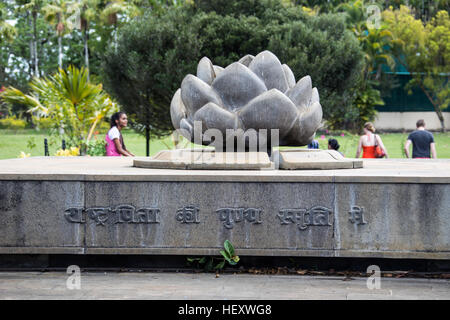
(253, 93)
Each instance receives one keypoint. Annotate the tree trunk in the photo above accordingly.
(36, 60)
(30, 25)
(115, 38)
(147, 140)
(436, 107)
(377, 78)
(147, 133)
(86, 49)
(441, 119)
(60, 51)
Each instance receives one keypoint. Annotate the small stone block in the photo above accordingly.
(205, 159)
(314, 160)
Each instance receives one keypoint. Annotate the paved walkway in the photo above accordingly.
(168, 286)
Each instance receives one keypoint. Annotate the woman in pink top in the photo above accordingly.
(114, 140)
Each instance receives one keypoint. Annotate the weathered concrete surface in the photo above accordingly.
(121, 169)
(398, 218)
(30, 214)
(264, 233)
(184, 286)
(105, 206)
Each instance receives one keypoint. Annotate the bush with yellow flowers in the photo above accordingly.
(24, 155)
(73, 151)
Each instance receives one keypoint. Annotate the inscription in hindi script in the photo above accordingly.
(304, 218)
(231, 215)
(114, 215)
(188, 214)
(357, 215)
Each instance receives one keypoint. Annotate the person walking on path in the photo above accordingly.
(114, 140)
(369, 141)
(422, 141)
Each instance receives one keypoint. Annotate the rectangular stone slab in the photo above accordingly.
(205, 159)
(393, 218)
(32, 214)
(304, 159)
(234, 211)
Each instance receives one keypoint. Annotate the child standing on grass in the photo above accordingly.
(114, 140)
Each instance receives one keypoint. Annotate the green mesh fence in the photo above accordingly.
(397, 98)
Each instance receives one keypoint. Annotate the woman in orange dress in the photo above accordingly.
(367, 142)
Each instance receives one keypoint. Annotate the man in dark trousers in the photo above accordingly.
(422, 141)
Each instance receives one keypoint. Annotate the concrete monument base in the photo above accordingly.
(104, 205)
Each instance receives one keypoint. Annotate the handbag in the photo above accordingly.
(379, 153)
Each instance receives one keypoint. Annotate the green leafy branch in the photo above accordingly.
(212, 263)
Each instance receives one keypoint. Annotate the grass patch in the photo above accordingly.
(13, 142)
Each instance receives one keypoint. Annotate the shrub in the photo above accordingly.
(73, 151)
(96, 147)
(43, 123)
(12, 123)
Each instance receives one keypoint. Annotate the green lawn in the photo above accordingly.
(13, 142)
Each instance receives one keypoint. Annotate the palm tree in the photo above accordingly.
(58, 14)
(69, 98)
(377, 43)
(33, 7)
(109, 15)
(7, 31)
(88, 10)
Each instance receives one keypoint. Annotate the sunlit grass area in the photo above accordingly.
(13, 142)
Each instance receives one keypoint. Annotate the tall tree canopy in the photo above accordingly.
(425, 51)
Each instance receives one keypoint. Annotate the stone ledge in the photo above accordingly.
(42, 250)
(239, 251)
(121, 169)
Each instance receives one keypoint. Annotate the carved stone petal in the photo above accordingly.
(246, 60)
(267, 66)
(177, 109)
(300, 95)
(314, 96)
(310, 139)
(271, 110)
(290, 78)
(205, 70)
(187, 130)
(195, 93)
(214, 117)
(294, 137)
(305, 127)
(300, 140)
(311, 119)
(217, 70)
(237, 85)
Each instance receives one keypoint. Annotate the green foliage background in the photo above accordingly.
(142, 49)
(154, 53)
